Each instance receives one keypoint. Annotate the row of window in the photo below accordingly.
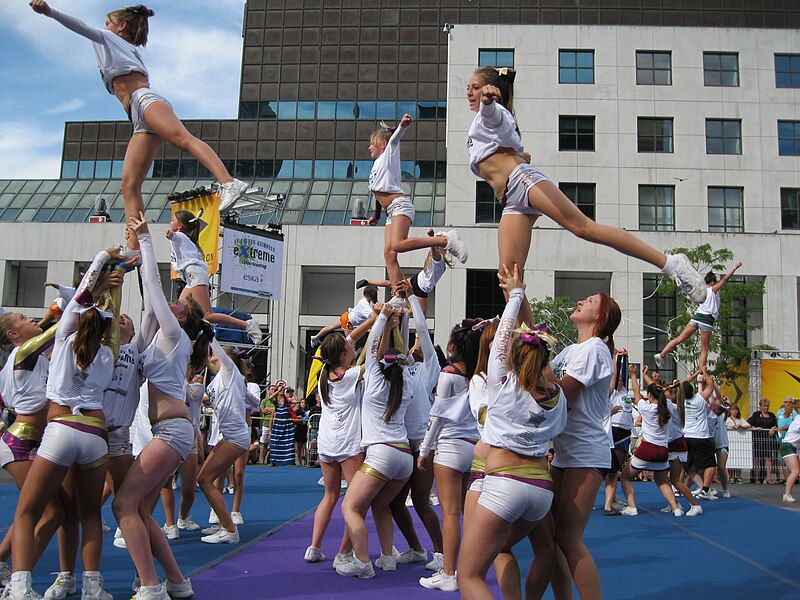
(341, 110)
(657, 206)
(654, 67)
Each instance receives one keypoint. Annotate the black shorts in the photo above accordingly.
(417, 290)
(615, 465)
(702, 454)
(622, 439)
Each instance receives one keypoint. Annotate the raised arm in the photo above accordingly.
(421, 324)
(83, 294)
(492, 116)
(398, 133)
(374, 339)
(637, 390)
(226, 365)
(718, 286)
(92, 33)
(497, 366)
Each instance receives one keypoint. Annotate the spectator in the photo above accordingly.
(301, 432)
(765, 426)
(267, 414)
(281, 442)
(736, 422)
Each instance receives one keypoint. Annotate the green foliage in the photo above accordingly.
(555, 312)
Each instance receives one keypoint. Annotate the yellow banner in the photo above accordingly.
(735, 389)
(209, 228)
(779, 378)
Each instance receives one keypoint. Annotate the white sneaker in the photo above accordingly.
(210, 530)
(237, 518)
(440, 581)
(697, 492)
(412, 556)
(120, 542)
(341, 559)
(5, 574)
(315, 342)
(694, 511)
(434, 499)
(227, 490)
(126, 254)
(106, 528)
(20, 590)
(409, 501)
(344, 484)
(666, 509)
(64, 585)
(187, 524)
(678, 512)
(92, 588)
(213, 519)
(171, 531)
(455, 245)
(229, 194)
(356, 568)
(179, 590)
(618, 504)
(223, 536)
(689, 281)
(157, 592)
(254, 331)
(321, 481)
(313, 554)
(436, 563)
(630, 511)
(387, 563)
(659, 360)
(706, 495)
(726, 494)
(788, 498)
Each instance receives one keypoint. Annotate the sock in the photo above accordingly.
(705, 489)
(91, 573)
(669, 266)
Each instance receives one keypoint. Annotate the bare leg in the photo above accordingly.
(360, 493)
(722, 469)
(238, 482)
(450, 484)
(188, 471)
(705, 343)
(676, 477)
(402, 517)
(142, 150)
(329, 328)
(513, 245)
(89, 485)
(201, 295)
(216, 465)
(611, 489)
(383, 516)
(627, 484)
(168, 501)
(400, 242)
(332, 476)
(662, 481)
(684, 335)
(69, 533)
(421, 483)
(794, 470)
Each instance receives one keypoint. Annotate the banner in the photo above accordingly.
(209, 228)
(736, 388)
(779, 378)
(252, 262)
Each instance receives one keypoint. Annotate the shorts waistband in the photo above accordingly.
(25, 431)
(529, 474)
(93, 425)
(478, 465)
(405, 448)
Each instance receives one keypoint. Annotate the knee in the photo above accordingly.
(122, 506)
(130, 186)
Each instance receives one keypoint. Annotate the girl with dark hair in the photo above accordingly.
(80, 370)
(699, 439)
(652, 453)
(252, 406)
(187, 260)
(523, 413)
(496, 155)
(452, 433)
(388, 462)
(339, 436)
(165, 342)
(281, 441)
(123, 72)
(703, 319)
(583, 371)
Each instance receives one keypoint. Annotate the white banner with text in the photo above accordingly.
(252, 262)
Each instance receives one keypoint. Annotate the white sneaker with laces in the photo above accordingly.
(179, 590)
(223, 536)
(213, 519)
(387, 563)
(254, 331)
(341, 559)
(678, 512)
(412, 556)
(356, 568)
(229, 194)
(156, 592)
(455, 245)
(21, 590)
(666, 509)
(659, 360)
(237, 518)
(436, 563)
(120, 542)
(92, 588)
(64, 585)
(694, 511)
(630, 511)
(171, 531)
(313, 554)
(440, 581)
(187, 524)
(706, 495)
(697, 492)
(788, 498)
(210, 530)
(434, 499)
(689, 281)
(726, 494)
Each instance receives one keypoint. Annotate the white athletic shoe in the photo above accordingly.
(659, 360)
(315, 342)
(179, 590)
(409, 501)
(387, 563)
(313, 554)
(356, 568)
(171, 531)
(666, 509)
(5, 574)
(788, 498)
(20, 590)
(678, 512)
(440, 581)
(187, 524)
(64, 585)
(689, 281)
(106, 528)
(455, 245)
(126, 253)
(618, 504)
(227, 490)
(630, 511)
(697, 492)
(694, 511)
(156, 592)
(706, 495)
(229, 194)
(726, 494)
(237, 518)
(254, 331)
(321, 481)
(436, 563)
(92, 587)
(213, 519)
(412, 556)
(210, 530)
(341, 559)
(223, 536)
(434, 500)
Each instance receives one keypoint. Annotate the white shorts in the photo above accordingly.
(511, 499)
(194, 275)
(389, 462)
(643, 465)
(681, 456)
(701, 326)
(239, 439)
(340, 458)
(476, 485)
(67, 443)
(119, 442)
(520, 181)
(400, 206)
(455, 454)
(140, 100)
(177, 432)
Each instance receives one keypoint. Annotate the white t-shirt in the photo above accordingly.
(385, 174)
(793, 434)
(696, 422)
(340, 423)
(184, 252)
(493, 127)
(360, 312)
(651, 431)
(584, 441)
(624, 418)
(721, 432)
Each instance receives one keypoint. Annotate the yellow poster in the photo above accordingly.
(735, 389)
(209, 227)
(779, 378)
(313, 374)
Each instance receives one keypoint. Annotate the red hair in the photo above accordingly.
(609, 316)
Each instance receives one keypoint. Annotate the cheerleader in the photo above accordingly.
(339, 435)
(789, 452)
(453, 433)
(187, 260)
(166, 348)
(252, 405)
(523, 413)
(620, 421)
(80, 369)
(384, 183)
(583, 371)
(699, 439)
(388, 462)
(497, 156)
(652, 453)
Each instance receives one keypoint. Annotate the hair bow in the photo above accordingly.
(467, 324)
(106, 314)
(392, 359)
(535, 335)
(481, 324)
(506, 72)
(141, 9)
(384, 126)
(197, 218)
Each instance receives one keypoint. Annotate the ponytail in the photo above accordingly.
(88, 338)
(137, 27)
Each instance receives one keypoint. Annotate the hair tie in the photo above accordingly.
(535, 336)
(197, 218)
(481, 324)
(141, 10)
(394, 359)
(105, 314)
(510, 74)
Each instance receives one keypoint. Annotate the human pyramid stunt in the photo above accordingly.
(479, 417)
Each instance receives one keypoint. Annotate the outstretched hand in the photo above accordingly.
(138, 224)
(490, 93)
(406, 121)
(510, 280)
(40, 6)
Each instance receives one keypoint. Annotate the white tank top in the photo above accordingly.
(23, 387)
(194, 403)
(121, 397)
(710, 305)
(650, 429)
(227, 398)
(385, 174)
(184, 252)
(76, 388)
(494, 127)
(340, 422)
(374, 428)
(168, 373)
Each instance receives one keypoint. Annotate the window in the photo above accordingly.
(789, 138)
(654, 134)
(726, 209)
(576, 66)
(790, 208)
(576, 133)
(484, 297)
(787, 70)
(656, 208)
(582, 196)
(579, 285)
(723, 136)
(24, 283)
(653, 68)
(326, 290)
(487, 208)
(743, 313)
(721, 69)
(658, 308)
(496, 57)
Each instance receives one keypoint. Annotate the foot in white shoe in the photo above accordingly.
(788, 498)
(156, 592)
(387, 563)
(213, 519)
(678, 512)
(726, 494)
(171, 531)
(120, 542)
(412, 556)
(210, 530)
(223, 536)
(630, 511)
(92, 588)
(356, 568)
(688, 280)
(64, 585)
(187, 524)
(436, 563)
(659, 360)
(341, 559)
(229, 194)
(694, 511)
(254, 331)
(666, 509)
(179, 590)
(237, 518)
(313, 554)
(440, 581)
(455, 245)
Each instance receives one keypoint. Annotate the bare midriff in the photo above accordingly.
(496, 168)
(163, 406)
(385, 198)
(125, 85)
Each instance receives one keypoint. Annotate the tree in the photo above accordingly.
(555, 312)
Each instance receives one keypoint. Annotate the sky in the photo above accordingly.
(50, 76)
